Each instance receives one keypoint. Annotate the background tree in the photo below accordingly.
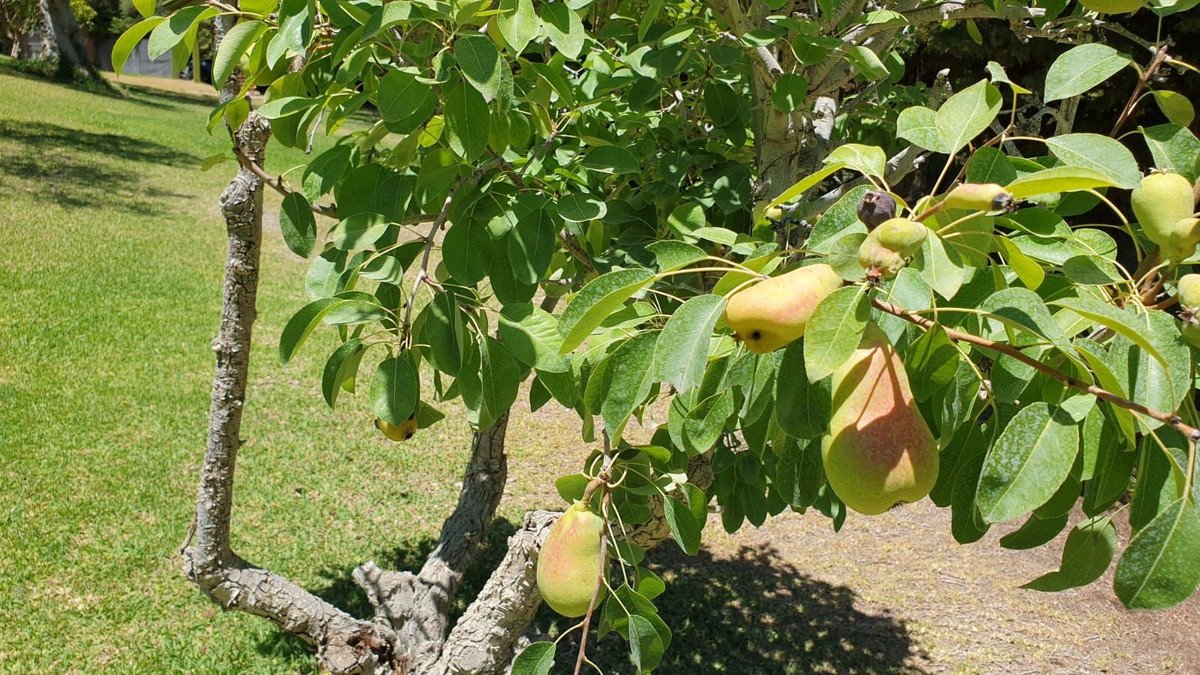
(649, 161)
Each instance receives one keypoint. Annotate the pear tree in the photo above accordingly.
(849, 288)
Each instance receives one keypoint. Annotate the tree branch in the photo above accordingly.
(276, 184)
(1169, 419)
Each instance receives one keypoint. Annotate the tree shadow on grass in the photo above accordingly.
(342, 592)
(756, 614)
(82, 169)
(752, 613)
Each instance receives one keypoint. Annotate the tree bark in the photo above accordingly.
(68, 37)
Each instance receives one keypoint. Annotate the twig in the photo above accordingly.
(1160, 56)
(277, 185)
(1169, 419)
(587, 618)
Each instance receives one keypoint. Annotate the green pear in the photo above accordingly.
(1189, 292)
(902, 235)
(979, 197)
(774, 312)
(879, 260)
(570, 563)
(879, 452)
(1163, 204)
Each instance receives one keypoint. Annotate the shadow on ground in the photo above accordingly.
(751, 613)
(81, 169)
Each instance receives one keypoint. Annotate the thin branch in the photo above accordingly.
(1170, 419)
(1160, 56)
(277, 185)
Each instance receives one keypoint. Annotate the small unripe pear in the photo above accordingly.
(979, 197)
(1189, 292)
(1163, 204)
(902, 235)
(879, 451)
(398, 432)
(774, 213)
(569, 564)
(879, 260)
(875, 208)
(775, 312)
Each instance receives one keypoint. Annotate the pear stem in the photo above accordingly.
(1170, 419)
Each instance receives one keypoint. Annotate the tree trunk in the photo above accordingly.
(68, 37)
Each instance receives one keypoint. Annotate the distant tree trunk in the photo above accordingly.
(68, 37)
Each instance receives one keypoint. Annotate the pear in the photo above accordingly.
(879, 452)
(1189, 292)
(398, 432)
(570, 563)
(775, 312)
(879, 260)
(979, 197)
(875, 208)
(1163, 204)
(885, 249)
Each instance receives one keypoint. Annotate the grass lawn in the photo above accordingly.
(110, 279)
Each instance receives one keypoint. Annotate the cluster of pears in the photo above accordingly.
(398, 432)
(1164, 204)
(571, 561)
(879, 451)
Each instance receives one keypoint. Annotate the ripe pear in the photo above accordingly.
(1189, 292)
(775, 312)
(879, 452)
(979, 197)
(398, 432)
(1163, 204)
(570, 563)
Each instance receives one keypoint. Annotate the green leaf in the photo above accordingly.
(325, 170)
(989, 165)
(564, 28)
(1036, 531)
(404, 102)
(1173, 147)
(1024, 308)
(298, 225)
(1175, 106)
(682, 352)
(536, 659)
(360, 230)
(518, 23)
(1100, 153)
(805, 184)
(1080, 68)
(1028, 463)
(645, 646)
(580, 208)
(967, 114)
(531, 245)
(686, 218)
(531, 334)
(834, 331)
(1058, 179)
(467, 119)
(341, 369)
(941, 267)
(611, 159)
(918, 125)
(629, 384)
(789, 92)
(233, 46)
(686, 518)
(395, 389)
(1086, 555)
(129, 40)
(1027, 269)
(286, 106)
(1117, 320)
(866, 62)
(672, 255)
(301, 325)
(171, 32)
(480, 63)
(295, 30)
(869, 160)
(1161, 566)
(145, 7)
(931, 363)
(802, 408)
(467, 251)
(596, 301)
(443, 329)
